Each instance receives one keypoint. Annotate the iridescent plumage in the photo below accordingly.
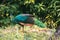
(27, 18)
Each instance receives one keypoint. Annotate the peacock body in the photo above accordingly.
(27, 18)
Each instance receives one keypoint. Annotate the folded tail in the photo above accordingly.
(39, 23)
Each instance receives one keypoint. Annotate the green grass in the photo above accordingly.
(12, 33)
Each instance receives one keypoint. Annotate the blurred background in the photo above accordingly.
(46, 10)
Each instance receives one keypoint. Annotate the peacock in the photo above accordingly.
(27, 20)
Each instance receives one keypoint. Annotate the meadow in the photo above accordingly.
(35, 33)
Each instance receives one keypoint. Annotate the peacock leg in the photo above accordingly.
(23, 29)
